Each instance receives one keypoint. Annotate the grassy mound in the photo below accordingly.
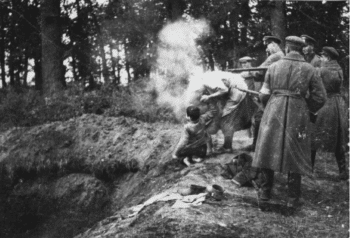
(27, 107)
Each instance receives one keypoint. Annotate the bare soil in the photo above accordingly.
(128, 162)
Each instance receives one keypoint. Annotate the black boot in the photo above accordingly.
(313, 158)
(256, 132)
(341, 161)
(266, 184)
(255, 138)
(257, 119)
(294, 189)
(227, 147)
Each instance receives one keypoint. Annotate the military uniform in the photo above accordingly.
(330, 132)
(314, 60)
(283, 143)
(249, 78)
(258, 115)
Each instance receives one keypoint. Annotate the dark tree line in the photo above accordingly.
(102, 40)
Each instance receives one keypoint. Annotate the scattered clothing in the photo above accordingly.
(190, 200)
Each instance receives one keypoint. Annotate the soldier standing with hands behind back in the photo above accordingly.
(283, 143)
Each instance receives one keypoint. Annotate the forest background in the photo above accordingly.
(62, 58)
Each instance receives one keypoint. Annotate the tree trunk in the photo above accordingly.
(211, 60)
(11, 67)
(18, 70)
(114, 63)
(51, 46)
(74, 67)
(119, 68)
(13, 44)
(175, 9)
(235, 35)
(25, 68)
(2, 47)
(38, 72)
(127, 68)
(245, 10)
(278, 20)
(127, 61)
(100, 44)
(103, 56)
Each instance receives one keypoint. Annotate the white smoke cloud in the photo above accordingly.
(179, 74)
(178, 58)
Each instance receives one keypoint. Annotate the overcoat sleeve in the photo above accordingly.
(266, 89)
(318, 95)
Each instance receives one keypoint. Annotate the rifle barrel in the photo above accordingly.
(248, 91)
(247, 70)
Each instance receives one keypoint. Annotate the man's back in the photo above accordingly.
(291, 73)
(332, 76)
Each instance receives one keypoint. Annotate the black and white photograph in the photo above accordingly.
(174, 118)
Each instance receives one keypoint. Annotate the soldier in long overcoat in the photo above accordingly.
(330, 132)
(283, 143)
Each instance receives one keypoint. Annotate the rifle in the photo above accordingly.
(248, 91)
(247, 70)
(254, 94)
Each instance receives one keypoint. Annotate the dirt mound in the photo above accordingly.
(75, 165)
(85, 177)
(105, 147)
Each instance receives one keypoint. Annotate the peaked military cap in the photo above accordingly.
(330, 51)
(308, 39)
(245, 59)
(295, 40)
(272, 38)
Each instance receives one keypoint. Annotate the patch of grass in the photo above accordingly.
(17, 171)
(137, 102)
(52, 154)
(27, 107)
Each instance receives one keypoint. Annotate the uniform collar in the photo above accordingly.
(278, 52)
(293, 55)
(331, 64)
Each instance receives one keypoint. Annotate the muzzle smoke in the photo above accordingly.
(179, 58)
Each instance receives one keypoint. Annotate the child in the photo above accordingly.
(193, 143)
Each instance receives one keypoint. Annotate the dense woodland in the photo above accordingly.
(103, 39)
(51, 45)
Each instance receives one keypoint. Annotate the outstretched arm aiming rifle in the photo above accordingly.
(247, 69)
(254, 93)
(262, 98)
